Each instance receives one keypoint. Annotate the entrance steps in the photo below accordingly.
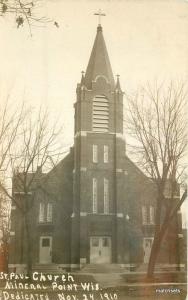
(103, 268)
(53, 269)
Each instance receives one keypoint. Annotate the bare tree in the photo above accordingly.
(37, 145)
(25, 11)
(4, 231)
(156, 123)
(10, 121)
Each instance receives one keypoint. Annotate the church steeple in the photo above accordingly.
(99, 63)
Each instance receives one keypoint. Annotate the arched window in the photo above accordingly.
(100, 114)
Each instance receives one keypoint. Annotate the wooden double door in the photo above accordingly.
(100, 249)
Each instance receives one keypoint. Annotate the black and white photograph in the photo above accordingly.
(93, 149)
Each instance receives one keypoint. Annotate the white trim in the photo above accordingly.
(80, 133)
(83, 214)
(174, 197)
(180, 235)
(101, 76)
(83, 133)
(97, 125)
(23, 193)
(12, 233)
(102, 214)
(100, 130)
(120, 135)
(101, 105)
(103, 119)
(111, 133)
(120, 215)
(17, 265)
(13, 207)
(97, 112)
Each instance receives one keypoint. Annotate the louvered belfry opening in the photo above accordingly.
(100, 114)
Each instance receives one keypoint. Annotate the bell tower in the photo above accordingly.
(99, 150)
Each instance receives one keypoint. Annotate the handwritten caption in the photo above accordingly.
(49, 286)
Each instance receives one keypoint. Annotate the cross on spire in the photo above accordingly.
(99, 14)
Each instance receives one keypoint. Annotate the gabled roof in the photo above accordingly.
(99, 63)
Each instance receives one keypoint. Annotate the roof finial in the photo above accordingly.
(118, 87)
(99, 14)
(82, 79)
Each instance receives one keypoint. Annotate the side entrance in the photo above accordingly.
(45, 250)
(100, 249)
(147, 244)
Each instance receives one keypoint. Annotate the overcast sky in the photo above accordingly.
(146, 40)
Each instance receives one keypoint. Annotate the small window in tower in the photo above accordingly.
(49, 213)
(94, 195)
(41, 212)
(95, 153)
(105, 154)
(106, 196)
(100, 114)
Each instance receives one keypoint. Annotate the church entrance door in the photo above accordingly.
(100, 250)
(45, 252)
(147, 244)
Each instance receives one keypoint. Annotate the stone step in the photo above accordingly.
(48, 268)
(103, 268)
(109, 280)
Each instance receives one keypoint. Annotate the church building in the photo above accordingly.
(96, 206)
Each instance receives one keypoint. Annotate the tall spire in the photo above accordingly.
(99, 63)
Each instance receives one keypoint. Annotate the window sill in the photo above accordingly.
(45, 223)
(101, 214)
